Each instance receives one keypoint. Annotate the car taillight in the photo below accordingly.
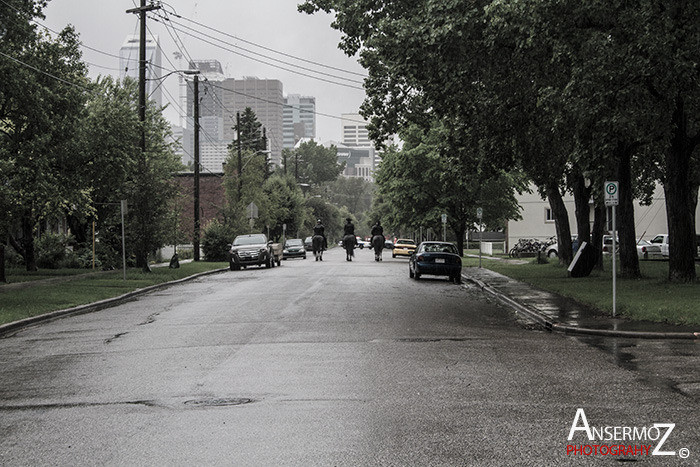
(644, 249)
(420, 258)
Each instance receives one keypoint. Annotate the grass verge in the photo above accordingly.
(651, 298)
(16, 304)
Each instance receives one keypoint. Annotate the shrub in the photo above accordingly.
(81, 259)
(216, 241)
(12, 258)
(51, 250)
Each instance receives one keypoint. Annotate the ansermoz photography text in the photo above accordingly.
(622, 440)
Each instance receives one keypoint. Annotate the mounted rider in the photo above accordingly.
(377, 240)
(349, 229)
(377, 229)
(319, 229)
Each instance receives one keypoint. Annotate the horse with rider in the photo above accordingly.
(377, 240)
(319, 242)
(349, 240)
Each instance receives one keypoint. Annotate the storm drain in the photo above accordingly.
(219, 402)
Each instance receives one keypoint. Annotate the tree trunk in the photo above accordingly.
(693, 207)
(459, 232)
(79, 230)
(629, 261)
(681, 265)
(3, 277)
(599, 217)
(582, 195)
(28, 241)
(561, 222)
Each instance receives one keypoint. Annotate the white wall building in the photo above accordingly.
(538, 222)
(354, 129)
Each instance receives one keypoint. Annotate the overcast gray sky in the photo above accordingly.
(275, 24)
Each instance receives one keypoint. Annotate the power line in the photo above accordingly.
(266, 63)
(263, 55)
(262, 46)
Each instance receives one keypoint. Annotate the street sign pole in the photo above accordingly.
(444, 224)
(612, 198)
(614, 262)
(123, 211)
(479, 215)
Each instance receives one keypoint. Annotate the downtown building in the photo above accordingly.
(356, 149)
(299, 119)
(221, 99)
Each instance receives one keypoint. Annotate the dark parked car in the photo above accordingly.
(254, 250)
(308, 244)
(294, 248)
(437, 259)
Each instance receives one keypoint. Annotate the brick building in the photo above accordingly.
(211, 200)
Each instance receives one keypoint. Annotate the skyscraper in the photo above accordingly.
(299, 119)
(264, 97)
(220, 99)
(129, 64)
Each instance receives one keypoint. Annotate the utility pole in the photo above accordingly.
(240, 159)
(265, 153)
(195, 241)
(142, 256)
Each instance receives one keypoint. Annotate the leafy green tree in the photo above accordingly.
(353, 192)
(313, 164)
(243, 189)
(286, 205)
(424, 180)
(114, 170)
(329, 214)
(41, 99)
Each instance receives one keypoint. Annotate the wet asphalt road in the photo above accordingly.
(330, 363)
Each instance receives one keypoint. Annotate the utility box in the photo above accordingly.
(487, 248)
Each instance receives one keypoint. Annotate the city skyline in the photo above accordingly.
(301, 53)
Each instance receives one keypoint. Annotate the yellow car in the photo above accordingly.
(403, 247)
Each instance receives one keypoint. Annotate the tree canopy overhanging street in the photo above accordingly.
(488, 97)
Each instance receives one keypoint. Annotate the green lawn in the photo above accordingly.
(651, 298)
(16, 304)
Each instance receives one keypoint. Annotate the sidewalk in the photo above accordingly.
(561, 314)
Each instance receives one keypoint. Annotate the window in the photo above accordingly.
(548, 215)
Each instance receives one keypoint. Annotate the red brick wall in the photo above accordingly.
(211, 200)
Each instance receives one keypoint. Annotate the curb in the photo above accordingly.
(553, 326)
(96, 306)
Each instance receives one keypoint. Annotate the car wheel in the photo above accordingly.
(393, 255)
(410, 272)
(458, 278)
(233, 266)
(552, 254)
(269, 263)
(279, 262)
